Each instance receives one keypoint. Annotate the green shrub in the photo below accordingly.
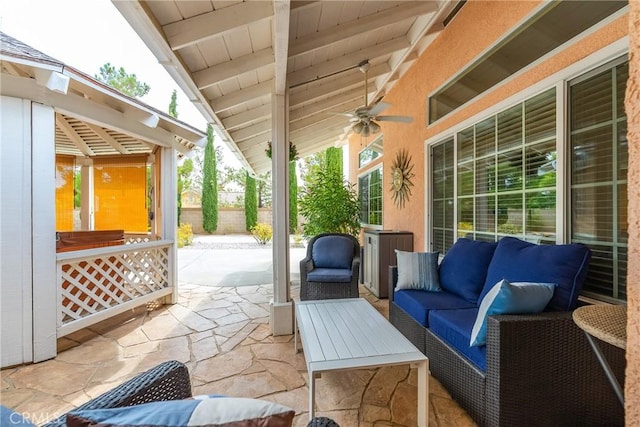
(262, 233)
(185, 235)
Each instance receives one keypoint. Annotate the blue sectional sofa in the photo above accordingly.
(535, 368)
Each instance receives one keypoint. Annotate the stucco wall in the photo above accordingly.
(476, 27)
(632, 104)
(230, 220)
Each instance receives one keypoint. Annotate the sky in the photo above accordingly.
(85, 34)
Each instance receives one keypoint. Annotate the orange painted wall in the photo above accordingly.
(632, 104)
(478, 25)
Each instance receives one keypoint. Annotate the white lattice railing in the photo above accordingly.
(130, 238)
(95, 284)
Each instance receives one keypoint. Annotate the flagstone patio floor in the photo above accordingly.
(222, 334)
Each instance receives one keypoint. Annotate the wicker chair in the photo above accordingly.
(331, 268)
(167, 381)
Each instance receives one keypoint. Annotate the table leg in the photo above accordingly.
(312, 395)
(617, 388)
(423, 394)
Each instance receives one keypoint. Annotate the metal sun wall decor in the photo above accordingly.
(401, 174)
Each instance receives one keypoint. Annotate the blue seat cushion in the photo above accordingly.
(464, 268)
(332, 252)
(418, 303)
(454, 327)
(332, 275)
(520, 261)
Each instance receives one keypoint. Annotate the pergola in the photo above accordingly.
(56, 122)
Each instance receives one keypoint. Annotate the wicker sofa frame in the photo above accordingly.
(540, 370)
(166, 381)
(329, 290)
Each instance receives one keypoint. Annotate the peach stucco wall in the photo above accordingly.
(476, 27)
(632, 104)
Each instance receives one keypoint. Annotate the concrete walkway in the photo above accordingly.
(231, 260)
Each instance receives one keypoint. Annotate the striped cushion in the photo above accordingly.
(418, 270)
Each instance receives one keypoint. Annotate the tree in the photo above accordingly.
(187, 167)
(250, 202)
(293, 197)
(209, 186)
(264, 190)
(120, 80)
(333, 161)
(330, 205)
(173, 105)
(184, 182)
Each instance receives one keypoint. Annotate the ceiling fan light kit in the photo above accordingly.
(364, 118)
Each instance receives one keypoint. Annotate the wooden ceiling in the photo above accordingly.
(231, 56)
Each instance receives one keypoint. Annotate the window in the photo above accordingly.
(371, 152)
(506, 173)
(370, 194)
(554, 25)
(597, 132)
(443, 193)
(506, 176)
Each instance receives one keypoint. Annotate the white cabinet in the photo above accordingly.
(379, 254)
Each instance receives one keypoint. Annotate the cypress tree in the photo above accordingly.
(293, 197)
(250, 202)
(333, 161)
(209, 186)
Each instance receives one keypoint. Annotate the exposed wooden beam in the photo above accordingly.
(241, 96)
(249, 131)
(108, 139)
(257, 140)
(359, 26)
(320, 128)
(281, 18)
(324, 119)
(345, 61)
(230, 69)
(325, 104)
(347, 81)
(237, 120)
(71, 133)
(189, 31)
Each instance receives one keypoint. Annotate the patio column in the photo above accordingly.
(169, 213)
(281, 307)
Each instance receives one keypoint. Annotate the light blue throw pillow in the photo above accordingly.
(418, 270)
(510, 298)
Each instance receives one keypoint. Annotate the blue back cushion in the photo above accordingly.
(464, 268)
(332, 252)
(418, 303)
(454, 327)
(520, 261)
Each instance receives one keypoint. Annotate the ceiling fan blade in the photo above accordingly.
(378, 108)
(399, 119)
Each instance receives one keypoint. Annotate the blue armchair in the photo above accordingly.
(331, 267)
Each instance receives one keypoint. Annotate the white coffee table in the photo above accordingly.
(350, 333)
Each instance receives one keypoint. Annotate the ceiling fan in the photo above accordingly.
(364, 118)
